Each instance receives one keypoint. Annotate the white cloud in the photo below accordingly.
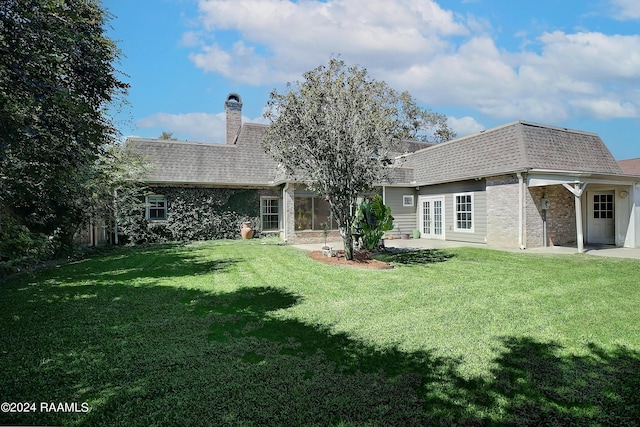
(240, 63)
(464, 125)
(593, 56)
(603, 108)
(197, 127)
(626, 9)
(440, 57)
(299, 36)
(190, 39)
(570, 72)
(200, 127)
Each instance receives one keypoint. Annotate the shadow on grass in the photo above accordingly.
(145, 264)
(157, 355)
(414, 256)
(544, 387)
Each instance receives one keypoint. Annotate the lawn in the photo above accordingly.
(243, 333)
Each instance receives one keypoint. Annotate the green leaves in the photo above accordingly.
(56, 80)
(337, 130)
(373, 218)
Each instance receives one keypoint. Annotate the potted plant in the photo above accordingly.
(326, 250)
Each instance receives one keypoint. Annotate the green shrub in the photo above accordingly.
(20, 248)
(373, 218)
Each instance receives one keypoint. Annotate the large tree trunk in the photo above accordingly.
(347, 240)
(343, 215)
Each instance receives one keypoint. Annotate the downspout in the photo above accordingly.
(520, 211)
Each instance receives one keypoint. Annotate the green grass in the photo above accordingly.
(241, 333)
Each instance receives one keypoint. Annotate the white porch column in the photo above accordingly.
(577, 191)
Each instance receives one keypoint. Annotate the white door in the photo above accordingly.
(601, 218)
(431, 217)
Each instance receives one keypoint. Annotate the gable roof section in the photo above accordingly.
(178, 162)
(514, 147)
(630, 166)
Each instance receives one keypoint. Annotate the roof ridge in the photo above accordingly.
(178, 142)
(558, 128)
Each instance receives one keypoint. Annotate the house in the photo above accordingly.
(519, 185)
(203, 191)
(630, 166)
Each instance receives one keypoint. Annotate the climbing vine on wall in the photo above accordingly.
(195, 214)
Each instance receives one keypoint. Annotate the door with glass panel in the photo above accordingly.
(431, 217)
(601, 218)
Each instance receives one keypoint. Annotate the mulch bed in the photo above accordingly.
(362, 259)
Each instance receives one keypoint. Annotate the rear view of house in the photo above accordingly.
(519, 185)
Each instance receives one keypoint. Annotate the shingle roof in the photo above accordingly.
(244, 163)
(630, 166)
(517, 146)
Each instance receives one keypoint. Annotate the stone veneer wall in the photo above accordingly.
(502, 211)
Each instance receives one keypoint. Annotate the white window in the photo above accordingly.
(270, 213)
(407, 200)
(156, 208)
(463, 220)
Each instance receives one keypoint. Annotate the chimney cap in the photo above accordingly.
(233, 102)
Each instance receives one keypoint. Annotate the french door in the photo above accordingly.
(431, 217)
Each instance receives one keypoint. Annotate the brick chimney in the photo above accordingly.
(233, 108)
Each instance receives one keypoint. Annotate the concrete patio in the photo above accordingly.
(606, 251)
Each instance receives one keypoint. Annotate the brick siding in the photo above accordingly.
(502, 211)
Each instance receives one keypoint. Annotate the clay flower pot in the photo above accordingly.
(246, 231)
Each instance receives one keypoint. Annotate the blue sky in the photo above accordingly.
(483, 63)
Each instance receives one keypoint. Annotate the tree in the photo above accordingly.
(337, 130)
(57, 79)
(117, 185)
(168, 136)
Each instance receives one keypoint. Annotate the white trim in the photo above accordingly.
(577, 191)
(262, 214)
(455, 213)
(148, 207)
(408, 200)
(420, 217)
